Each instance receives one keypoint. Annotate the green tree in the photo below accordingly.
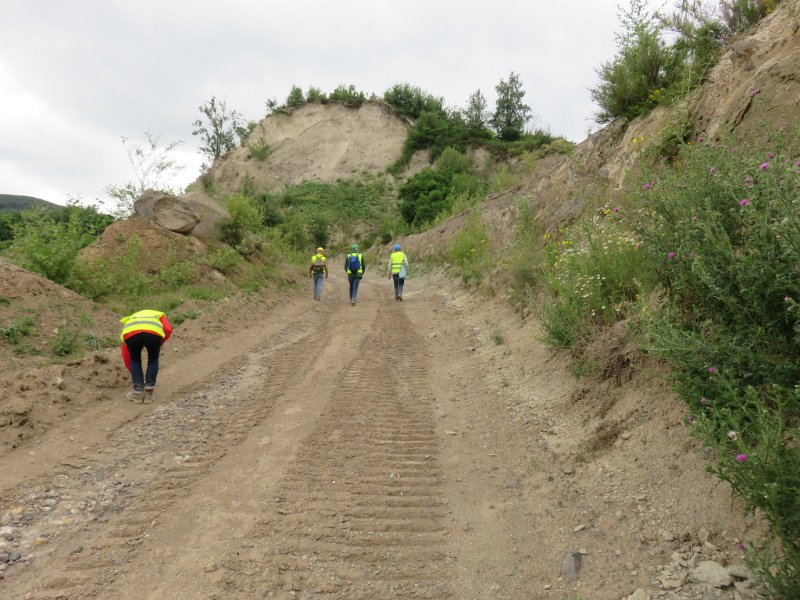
(153, 168)
(476, 115)
(511, 114)
(630, 84)
(218, 129)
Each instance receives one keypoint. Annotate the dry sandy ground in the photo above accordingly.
(427, 449)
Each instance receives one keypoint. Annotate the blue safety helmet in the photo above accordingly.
(397, 246)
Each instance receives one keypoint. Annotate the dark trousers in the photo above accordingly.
(135, 344)
(398, 285)
(354, 281)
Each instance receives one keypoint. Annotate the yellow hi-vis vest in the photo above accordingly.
(144, 320)
(397, 259)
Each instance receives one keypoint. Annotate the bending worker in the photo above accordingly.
(144, 329)
(398, 270)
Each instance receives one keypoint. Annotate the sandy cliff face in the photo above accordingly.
(316, 142)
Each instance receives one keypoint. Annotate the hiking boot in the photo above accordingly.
(400, 298)
(136, 396)
(148, 395)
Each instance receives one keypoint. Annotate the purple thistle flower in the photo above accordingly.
(616, 209)
(741, 457)
(754, 91)
(692, 254)
(712, 170)
(701, 139)
(690, 418)
(771, 155)
(712, 370)
(703, 400)
(646, 186)
(671, 255)
(733, 149)
(763, 166)
(744, 202)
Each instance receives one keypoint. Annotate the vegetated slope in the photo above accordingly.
(14, 202)
(315, 142)
(756, 80)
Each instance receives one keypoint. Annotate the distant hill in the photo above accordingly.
(13, 202)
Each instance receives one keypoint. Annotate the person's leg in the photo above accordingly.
(356, 281)
(318, 277)
(153, 345)
(400, 282)
(350, 279)
(135, 344)
(395, 279)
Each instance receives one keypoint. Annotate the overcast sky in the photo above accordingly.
(76, 76)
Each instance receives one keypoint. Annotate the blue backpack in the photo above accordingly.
(353, 264)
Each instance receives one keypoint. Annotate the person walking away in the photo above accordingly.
(398, 270)
(146, 329)
(318, 271)
(354, 267)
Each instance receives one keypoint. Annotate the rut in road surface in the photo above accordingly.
(359, 512)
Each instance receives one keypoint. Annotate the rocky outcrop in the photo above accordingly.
(193, 213)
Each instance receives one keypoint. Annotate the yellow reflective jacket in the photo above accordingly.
(144, 320)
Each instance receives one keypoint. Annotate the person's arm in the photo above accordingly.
(126, 356)
(325, 267)
(167, 328)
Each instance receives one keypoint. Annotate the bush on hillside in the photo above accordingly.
(47, 241)
(245, 217)
(431, 192)
(348, 95)
(412, 101)
(648, 70)
(296, 97)
(724, 231)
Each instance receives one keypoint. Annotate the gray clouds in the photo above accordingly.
(76, 76)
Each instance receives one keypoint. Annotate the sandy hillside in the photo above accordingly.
(315, 142)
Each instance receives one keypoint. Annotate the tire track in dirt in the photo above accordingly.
(152, 463)
(360, 512)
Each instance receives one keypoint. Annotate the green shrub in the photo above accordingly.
(316, 95)
(66, 342)
(225, 260)
(49, 246)
(245, 216)
(348, 95)
(412, 101)
(723, 229)
(296, 97)
(469, 252)
(259, 149)
(593, 273)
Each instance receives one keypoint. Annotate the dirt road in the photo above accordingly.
(424, 449)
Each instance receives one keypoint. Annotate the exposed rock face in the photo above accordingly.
(193, 213)
(166, 210)
(209, 211)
